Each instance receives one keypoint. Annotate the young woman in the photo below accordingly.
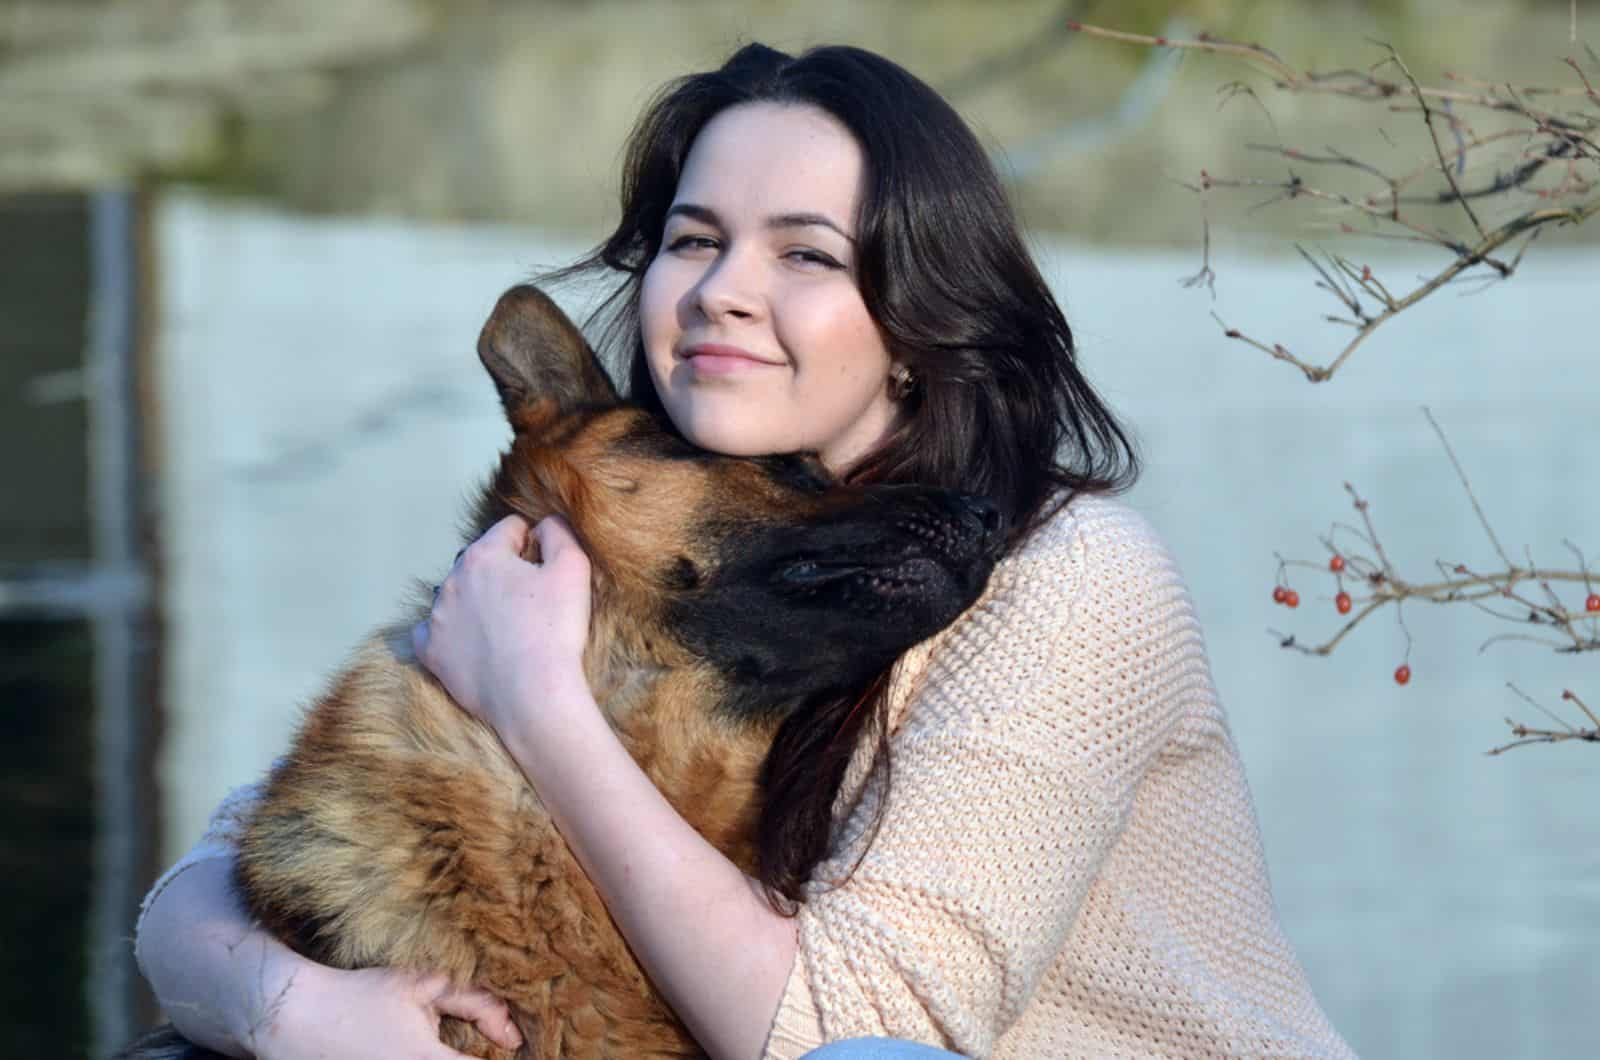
(1036, 839)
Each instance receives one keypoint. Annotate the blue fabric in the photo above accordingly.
(878, 1049)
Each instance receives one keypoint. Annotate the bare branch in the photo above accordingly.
(1477, 255)
(1526, 735)
(1205, 275)
(1483, 520)
(1550, 137)
(1358, 554)
(1254, 54)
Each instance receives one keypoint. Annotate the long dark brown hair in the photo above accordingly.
(999, 407)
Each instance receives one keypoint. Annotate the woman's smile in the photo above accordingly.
(718, 360)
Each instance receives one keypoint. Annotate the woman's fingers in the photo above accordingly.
(506, 539)
(508, 535)
(477, 1007)
(553, 535)
(489, 1015)
(557, 544)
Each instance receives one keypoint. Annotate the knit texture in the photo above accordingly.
(221, 840)
(1068, 863)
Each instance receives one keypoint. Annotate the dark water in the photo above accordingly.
(75, 638)
(48, 859)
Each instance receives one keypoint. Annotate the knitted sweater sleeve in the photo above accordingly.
(221, 840)
(1012, 776)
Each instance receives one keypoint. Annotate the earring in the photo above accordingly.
(901, 383)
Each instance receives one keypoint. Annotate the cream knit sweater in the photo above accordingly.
(1069, 863)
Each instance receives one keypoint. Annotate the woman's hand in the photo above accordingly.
(230, 986)
(377, 1012)
(505, 634)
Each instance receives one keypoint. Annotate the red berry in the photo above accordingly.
(1279, 594)
(1336, 563)
(1291, 598)
(1342, 602)
(1402, 675)
(1593, 603)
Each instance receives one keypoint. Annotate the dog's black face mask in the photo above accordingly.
(818, 606)
(790, 587)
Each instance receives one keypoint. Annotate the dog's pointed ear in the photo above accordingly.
(538, 358)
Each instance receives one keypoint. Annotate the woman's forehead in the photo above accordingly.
(767, 162)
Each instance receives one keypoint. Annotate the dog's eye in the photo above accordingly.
(810, 572)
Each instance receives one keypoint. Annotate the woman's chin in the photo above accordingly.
(737, 435)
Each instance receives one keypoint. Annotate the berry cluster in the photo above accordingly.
(1343, 603)
(1282, 594)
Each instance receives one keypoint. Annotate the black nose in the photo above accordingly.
(985, 512)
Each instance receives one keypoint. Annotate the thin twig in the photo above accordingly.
(1567, 731)
(1433, 133)
(1483, 520)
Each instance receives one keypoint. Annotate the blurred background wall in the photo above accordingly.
(247, 250)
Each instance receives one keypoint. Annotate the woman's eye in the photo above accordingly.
(807, 256)
(691, 242)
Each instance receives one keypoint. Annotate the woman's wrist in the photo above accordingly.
(265, 1014)
(555, 705)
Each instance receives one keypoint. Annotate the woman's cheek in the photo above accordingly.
(659, 295)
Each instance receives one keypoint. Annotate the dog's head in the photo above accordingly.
(776, 583)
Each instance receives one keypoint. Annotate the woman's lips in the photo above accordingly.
(717, 359)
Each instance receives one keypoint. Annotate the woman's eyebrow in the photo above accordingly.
(799, 219)
(694, 212)
(806, 220)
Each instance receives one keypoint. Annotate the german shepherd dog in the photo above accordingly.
(728, 594)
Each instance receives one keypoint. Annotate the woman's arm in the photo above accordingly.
(191, 935)
(230, 986)
(506, 637)
(226, 984)
(698, 924)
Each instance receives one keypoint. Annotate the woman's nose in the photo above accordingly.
(729, 288)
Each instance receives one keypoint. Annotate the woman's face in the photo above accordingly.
(754, 330)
